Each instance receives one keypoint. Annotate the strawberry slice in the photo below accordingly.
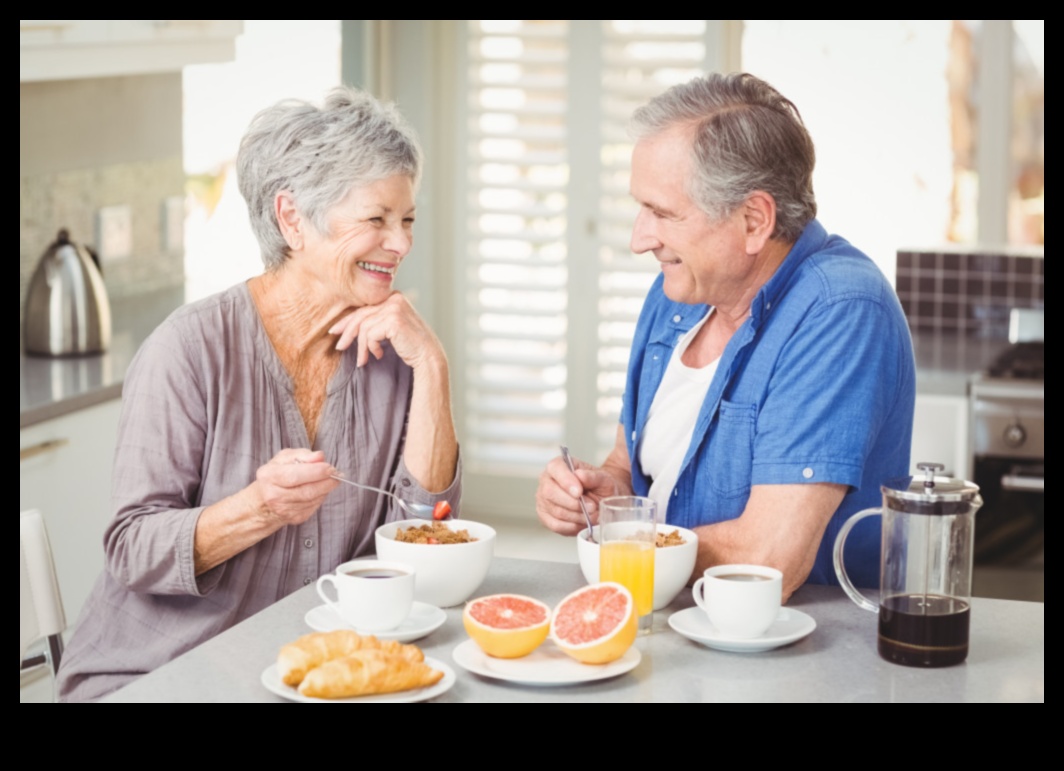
(442, 510)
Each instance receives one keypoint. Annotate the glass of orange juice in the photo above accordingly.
(626, 550)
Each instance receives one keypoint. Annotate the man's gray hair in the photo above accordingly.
(747, 137)
(319, 155)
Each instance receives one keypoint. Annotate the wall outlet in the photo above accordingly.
(114, 233)
(172, 231)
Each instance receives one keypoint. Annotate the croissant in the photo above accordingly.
(367, 673)
(298, 658)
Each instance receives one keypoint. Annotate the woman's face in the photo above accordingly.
(370, 232)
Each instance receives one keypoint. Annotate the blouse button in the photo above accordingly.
(406, 482)
(309, 543)
(677, 319)
(808, 473)
(308, 581)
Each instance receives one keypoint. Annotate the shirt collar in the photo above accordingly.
(809, 242)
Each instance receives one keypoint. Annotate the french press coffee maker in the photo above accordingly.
(925, 568)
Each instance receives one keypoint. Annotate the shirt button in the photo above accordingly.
(808, 473)
(309, 543)
(677, 319)
(655, 357)
(308, 581)
(406, 482)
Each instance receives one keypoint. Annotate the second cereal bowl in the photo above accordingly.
(673, 565)
(445, 574)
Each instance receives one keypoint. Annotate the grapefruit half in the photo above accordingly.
(507, 626)
(596, 624)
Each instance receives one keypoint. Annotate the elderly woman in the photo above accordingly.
(240, 408)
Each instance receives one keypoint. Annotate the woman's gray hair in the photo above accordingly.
(747, 137)
(319, 155)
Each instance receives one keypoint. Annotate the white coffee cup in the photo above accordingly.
(741, 601)
(371, 595)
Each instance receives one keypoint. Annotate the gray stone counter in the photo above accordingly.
(52, 387)
(836, 663)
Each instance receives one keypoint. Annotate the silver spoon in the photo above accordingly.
(583, 507)
(419, 510)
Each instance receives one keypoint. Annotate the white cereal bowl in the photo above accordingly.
(673, 565)
(445, 575)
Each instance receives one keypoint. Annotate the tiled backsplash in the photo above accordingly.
(71, 199)
(968, 294)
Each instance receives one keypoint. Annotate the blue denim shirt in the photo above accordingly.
(817, 385)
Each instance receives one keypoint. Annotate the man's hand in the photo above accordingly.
(560, 490)
(558, 496)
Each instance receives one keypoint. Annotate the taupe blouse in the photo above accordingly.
(205, 404)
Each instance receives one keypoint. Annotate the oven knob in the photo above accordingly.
(1015, 436)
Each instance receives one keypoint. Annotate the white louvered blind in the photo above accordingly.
(550, 289)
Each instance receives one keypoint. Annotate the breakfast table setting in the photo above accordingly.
(822, 648)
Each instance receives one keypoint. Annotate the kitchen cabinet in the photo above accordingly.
(940, 433)
(65, 472)
(63, 49)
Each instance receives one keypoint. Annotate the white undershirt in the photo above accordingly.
(671, 421)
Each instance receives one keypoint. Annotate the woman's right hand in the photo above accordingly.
(293, 485)
(287, 491)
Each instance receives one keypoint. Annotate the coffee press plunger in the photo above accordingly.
(925, 568)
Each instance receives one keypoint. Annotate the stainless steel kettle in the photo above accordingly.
(67, 311)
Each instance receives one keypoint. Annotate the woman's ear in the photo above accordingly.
(289, 220)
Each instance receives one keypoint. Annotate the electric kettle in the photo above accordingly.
(67, 311)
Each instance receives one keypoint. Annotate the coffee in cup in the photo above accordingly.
(371, 595)
(741, 601)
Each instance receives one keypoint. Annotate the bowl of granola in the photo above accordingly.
(450, 558)
(674, 561)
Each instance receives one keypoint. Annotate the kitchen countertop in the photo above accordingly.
(52, 387)
(946, 362)
(837, 663)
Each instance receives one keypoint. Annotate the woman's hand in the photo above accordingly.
(293, 485)
(396, 321)
(286, 491)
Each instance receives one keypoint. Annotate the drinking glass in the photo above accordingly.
(627, 531)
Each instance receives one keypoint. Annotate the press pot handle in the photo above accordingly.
(840, 570)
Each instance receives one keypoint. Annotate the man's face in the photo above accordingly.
(703, 261)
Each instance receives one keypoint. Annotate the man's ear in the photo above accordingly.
(289, 220)
(759, 212)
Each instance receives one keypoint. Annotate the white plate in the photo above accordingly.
(273, 683)
(790, 626)
(545, 666)
(424, 619)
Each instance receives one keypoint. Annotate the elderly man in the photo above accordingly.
(770, 387)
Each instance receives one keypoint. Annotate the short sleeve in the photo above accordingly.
(835, 384)
(149, 545)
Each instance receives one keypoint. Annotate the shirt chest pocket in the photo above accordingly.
(729, 451)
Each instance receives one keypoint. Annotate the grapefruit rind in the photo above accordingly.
(507, 626)
(596, 624)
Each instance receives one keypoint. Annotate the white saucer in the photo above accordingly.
(273, 682)
(545, 667)
(789, 627)
(424, 619)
